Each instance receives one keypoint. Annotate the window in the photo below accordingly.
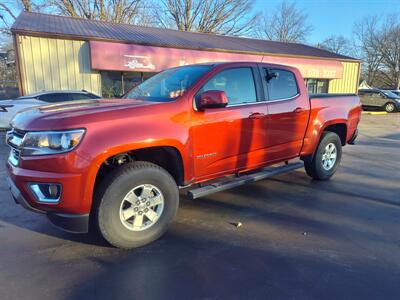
(111, 84)
(78, 96)
(282, 85)
(55, 97)
(317, 86)
(238, 85)
(169, 84)
(116, 84)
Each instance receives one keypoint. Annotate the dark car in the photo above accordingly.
(375, 98)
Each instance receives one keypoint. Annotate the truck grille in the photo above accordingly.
(14, 139)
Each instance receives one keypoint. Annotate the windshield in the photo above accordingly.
(168, 85)
(390, 94)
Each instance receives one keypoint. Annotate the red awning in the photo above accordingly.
(131, 57)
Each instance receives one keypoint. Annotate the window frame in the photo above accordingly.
(263, 70)
(257, 85)
(316, 83)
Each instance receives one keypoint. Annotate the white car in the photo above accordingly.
(9, 108)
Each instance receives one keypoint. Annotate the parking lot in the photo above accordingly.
(300, 239)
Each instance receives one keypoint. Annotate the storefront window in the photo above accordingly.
(111, 84)
(317, 86)
(115, 84)
(130, 80)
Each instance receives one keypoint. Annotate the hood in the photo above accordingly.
(75, 113)
(17, 102)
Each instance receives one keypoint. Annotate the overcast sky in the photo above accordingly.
(335, 16)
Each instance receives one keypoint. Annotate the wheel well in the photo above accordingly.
(391, 102)
(166, 157)
(340, 130)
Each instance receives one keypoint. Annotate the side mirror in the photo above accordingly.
(213, 99)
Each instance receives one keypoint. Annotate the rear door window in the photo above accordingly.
(55, 97)
(281, 84)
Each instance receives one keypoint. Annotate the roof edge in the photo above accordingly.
(91, 38)
(86, 38)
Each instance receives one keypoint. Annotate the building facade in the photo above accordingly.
(57, 53)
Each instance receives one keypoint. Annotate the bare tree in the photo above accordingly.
(378, 41)
(117, 11)
(7, 17)
(366, 41)
(337, 44)
(286, 24)
(10, 9)
(389, 49)
(228, 17)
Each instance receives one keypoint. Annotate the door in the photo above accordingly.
(380, 99)
(373, 98)
(365, 97)
(288, 112)
(231, 138)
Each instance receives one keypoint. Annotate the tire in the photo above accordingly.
(390, 107)
(119, 197)
(317, 167)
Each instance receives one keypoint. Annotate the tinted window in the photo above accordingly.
(77, 96)
(390, 94)
(282, 86)
(238, 85)
(317, 86)
(55, 97)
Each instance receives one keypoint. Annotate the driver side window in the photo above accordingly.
(237, 83)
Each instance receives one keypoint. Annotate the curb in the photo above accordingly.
(374, 113)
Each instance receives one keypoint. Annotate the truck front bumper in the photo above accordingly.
(75, 223)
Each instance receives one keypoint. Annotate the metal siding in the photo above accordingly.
(348, 83)
(37, 63)
(56, 64)
(55, 72)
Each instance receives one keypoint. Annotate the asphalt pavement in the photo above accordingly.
(299, 239)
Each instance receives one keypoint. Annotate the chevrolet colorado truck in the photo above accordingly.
(118, 164)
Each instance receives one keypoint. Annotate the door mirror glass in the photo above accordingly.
(213, 99)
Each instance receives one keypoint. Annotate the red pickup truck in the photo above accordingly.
(118, 164)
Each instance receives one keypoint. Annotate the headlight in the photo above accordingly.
(50, 142)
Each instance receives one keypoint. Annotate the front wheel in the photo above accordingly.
(326, 158)
(136, 205)
(390, 107)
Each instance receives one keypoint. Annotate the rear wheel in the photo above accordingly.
(326, 158)
(390, 107)
(137, 203)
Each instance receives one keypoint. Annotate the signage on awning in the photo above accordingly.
(130, 57)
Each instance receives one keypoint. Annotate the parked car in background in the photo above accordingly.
(119, 163)
(9, 108)
(375, 98)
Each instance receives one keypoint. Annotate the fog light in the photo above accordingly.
(46, 192)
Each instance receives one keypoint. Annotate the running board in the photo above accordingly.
(241, 180)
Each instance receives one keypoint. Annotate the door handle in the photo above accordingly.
(298, 110)
(256, 115)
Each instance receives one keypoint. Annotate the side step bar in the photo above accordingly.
(242, 180)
